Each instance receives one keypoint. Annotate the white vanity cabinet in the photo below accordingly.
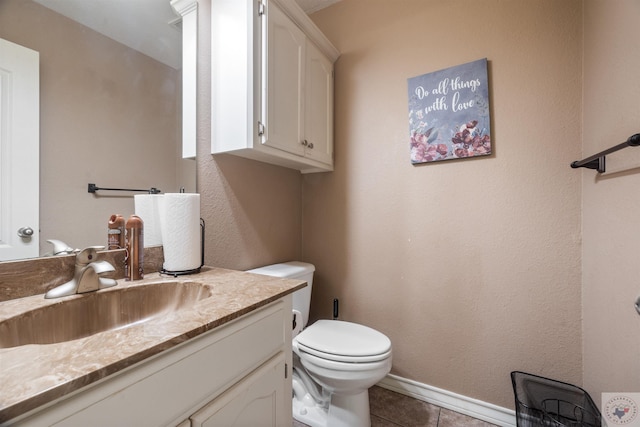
(272, 84)
(237, 374)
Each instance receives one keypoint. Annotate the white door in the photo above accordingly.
(19, 151)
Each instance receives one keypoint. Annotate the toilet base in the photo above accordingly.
(344, 411)
(313, 416)
(350, 410)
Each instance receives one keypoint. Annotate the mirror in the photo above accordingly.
(110, 108)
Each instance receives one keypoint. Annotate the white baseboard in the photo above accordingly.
(456, 402)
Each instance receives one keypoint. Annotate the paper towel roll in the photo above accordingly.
(180, 223)
(147, 207)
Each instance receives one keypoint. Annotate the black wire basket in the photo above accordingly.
(543, 402)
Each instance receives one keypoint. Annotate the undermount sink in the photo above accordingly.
(88, 314)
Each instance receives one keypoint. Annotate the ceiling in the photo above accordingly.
(311, 6)
(143, 25)
(148, 26)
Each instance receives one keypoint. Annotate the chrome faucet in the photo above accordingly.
(61, 248)
(86, 277)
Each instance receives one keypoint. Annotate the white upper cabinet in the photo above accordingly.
(272, 84)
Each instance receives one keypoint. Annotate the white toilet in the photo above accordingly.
(335, 362)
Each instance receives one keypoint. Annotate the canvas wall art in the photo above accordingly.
(449, 113)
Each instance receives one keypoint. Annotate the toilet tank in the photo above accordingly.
(293, 270)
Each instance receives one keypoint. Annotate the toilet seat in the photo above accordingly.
(341, 341)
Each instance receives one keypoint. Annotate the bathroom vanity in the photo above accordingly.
(221, 359)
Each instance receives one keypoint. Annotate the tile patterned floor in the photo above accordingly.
(391, 409)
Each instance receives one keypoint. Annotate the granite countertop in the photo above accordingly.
(36, 374)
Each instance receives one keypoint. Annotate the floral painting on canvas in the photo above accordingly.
(449, 113)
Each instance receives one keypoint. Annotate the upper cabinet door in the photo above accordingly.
(236, 74)
(19, 151)
(318, 108)
(188, 10)
(285, 82)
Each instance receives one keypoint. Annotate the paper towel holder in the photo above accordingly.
(194, 270)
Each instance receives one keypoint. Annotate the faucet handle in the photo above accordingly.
(60, 247)
(101, 267)
(88, 255)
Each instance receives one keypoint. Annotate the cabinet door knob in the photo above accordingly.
(25, 232)
(311, 145)
(304, 142)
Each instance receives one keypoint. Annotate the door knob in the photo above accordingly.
(25, 232)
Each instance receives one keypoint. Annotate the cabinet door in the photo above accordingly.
(236, 94)
(318, 107)
(257, 400)
(285, 54)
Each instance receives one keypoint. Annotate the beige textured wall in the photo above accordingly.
(108, 115)
(252, 210)
(611, 220)
(471, 267)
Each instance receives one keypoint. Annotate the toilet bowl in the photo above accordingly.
(335, 362)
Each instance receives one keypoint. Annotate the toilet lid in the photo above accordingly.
(344, 341)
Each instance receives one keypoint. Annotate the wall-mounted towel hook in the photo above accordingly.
(597, 161)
